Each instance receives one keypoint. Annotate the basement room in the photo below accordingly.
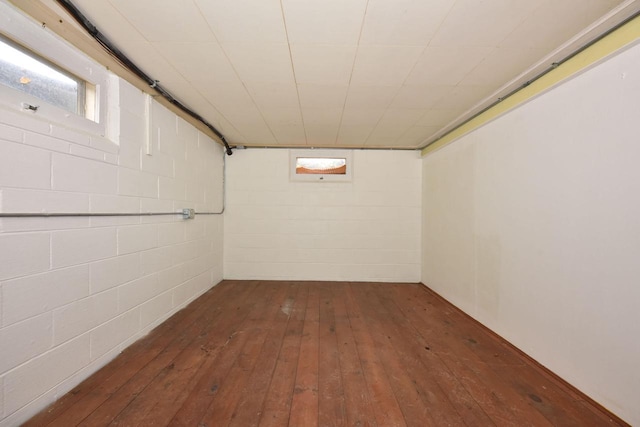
(317, 213)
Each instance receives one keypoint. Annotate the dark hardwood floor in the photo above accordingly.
(321, 354)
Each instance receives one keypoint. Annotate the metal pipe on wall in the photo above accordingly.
(186, 212)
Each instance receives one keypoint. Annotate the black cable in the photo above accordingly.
(131, 66)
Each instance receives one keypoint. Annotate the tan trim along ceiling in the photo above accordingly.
(338, 73)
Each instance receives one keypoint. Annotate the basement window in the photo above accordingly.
(44, 76)
(321, 165)
(31, 74)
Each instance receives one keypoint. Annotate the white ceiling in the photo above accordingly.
(338, 73)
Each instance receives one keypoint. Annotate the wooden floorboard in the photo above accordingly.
(304, 402)
(265, 353)
(278, 398)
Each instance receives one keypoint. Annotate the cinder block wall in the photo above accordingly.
(364, 230)
(75, 291)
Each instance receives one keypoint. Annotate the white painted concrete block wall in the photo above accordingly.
(364, 230)
(531, 225)
(75, 291)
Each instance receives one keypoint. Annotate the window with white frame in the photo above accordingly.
(321, 165)
(42, 74)
(27, 72)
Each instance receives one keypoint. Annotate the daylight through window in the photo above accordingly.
(22, 70)
(321, 166)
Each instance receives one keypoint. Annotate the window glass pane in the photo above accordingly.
(321, 166)
(25, 73)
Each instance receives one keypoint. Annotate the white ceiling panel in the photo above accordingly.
(320, 136)
(286, 124)
(461, 97)
(530, 34)
(251, 125)
(283, 116)
(377, 143)
(403, 22)
(274, 95)
(353, 136)
(502, 65)
(361, 117)
(416, 135)
(166, 20)
(321, 126)
(446, 66)
(438, 118)
(318, 116)
(482, 23)
(357, 124)
(347, 73)
(151, 61)
(261, 63)
(419, 97)
(324, 22)
(366, 97)
(245, 21)
(289, 136)
(323, 64)
(384, 65)
(223, 95)
(394, 123)
(205, 108)
(198, 62)
(111, 22)
(321, 96)
(245, 117)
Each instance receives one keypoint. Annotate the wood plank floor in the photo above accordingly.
(307, 354)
